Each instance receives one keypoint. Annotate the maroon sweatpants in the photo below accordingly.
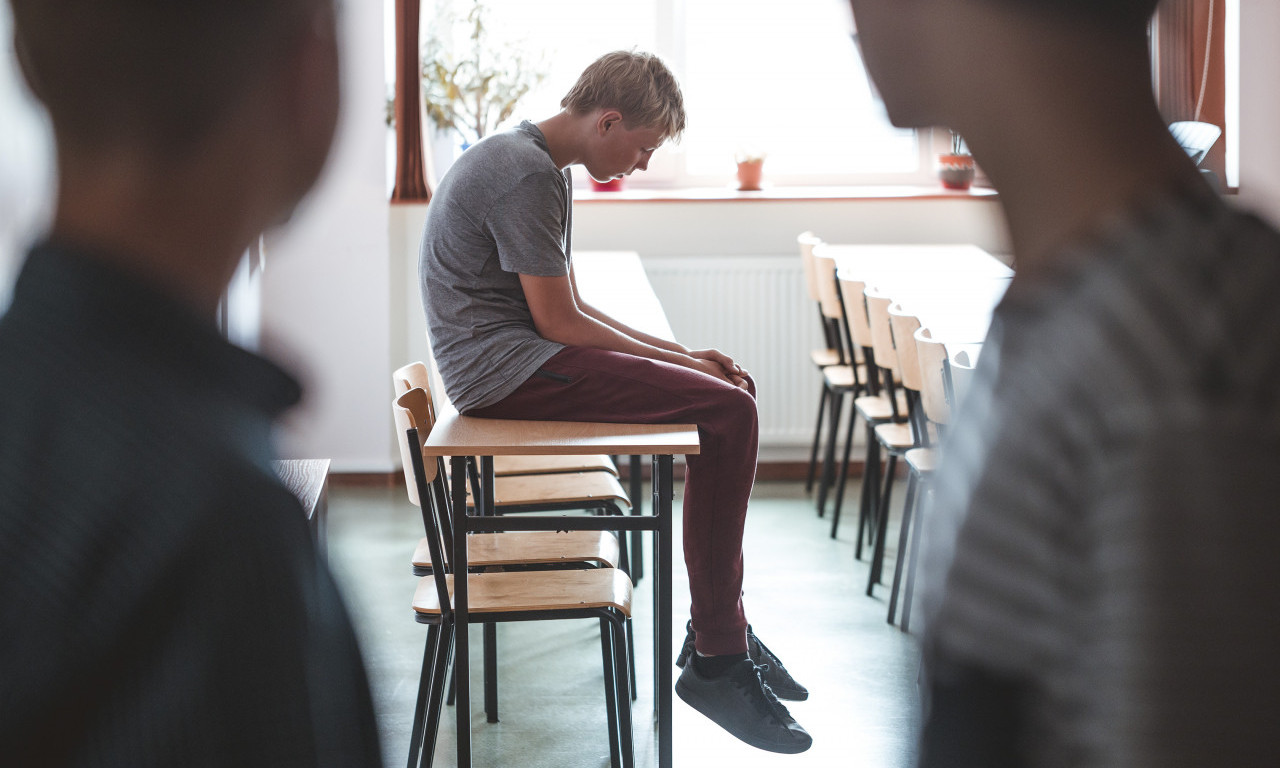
(583, 384)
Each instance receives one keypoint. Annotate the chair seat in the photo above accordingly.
(532, 548)
(841, 376)
(825, 357)
(521, 591)
(545, 465)
(922, 460)
(565, 488)
(876, 408)
(895, 437)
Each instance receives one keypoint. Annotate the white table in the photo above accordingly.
(953, 289)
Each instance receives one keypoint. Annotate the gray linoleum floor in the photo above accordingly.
(804, 596)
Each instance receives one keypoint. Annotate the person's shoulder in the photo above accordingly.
(504, 160)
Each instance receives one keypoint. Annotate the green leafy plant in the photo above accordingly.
(474, 86)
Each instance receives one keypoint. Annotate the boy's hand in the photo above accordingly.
(730, 368)
(720, 365)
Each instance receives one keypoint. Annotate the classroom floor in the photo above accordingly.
(804, 596)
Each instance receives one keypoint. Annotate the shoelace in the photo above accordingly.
(768, 704)
(764, 651)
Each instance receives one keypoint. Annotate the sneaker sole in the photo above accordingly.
(705, 708)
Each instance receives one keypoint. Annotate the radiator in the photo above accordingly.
(757, 310)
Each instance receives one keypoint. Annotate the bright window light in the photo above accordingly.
(784, 79)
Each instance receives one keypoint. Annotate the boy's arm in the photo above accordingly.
(726, 363)
(558, 317)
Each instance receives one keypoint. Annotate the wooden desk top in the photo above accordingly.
(455, 434)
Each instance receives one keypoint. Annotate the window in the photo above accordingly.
(783, 78)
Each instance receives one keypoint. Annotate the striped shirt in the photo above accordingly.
(1105, 542)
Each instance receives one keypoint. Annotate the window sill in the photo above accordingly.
(584, 194)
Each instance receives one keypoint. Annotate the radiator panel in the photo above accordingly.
(756, 310)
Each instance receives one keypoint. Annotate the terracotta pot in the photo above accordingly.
(612, 185)
(750, 173)
(955, 171)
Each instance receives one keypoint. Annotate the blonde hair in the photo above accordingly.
(636, 84)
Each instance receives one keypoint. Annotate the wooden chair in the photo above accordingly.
(602, 593)
(896, 439)
(597, 492)
(840, 380)
(931, 357)
(831, 354)
(883, 403)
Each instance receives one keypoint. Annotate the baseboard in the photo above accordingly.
(366, 479)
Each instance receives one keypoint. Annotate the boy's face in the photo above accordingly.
(619, 151)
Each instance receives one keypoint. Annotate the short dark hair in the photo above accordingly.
(155, 72)
(1118, 15)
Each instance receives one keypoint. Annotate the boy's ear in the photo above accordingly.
(607, 120)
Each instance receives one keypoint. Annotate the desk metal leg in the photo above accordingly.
(662, 493)
(637, 508)
(461, 669)
(490, 629)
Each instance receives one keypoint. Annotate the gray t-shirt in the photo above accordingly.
(503, 210)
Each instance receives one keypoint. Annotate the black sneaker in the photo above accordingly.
(779, 679)
(740, 702)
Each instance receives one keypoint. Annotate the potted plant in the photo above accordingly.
(473, 87)
(750, 169)
(956, 169)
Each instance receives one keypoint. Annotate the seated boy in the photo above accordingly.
(514, 339)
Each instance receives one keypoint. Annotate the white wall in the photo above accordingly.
(1260, 107)
(326, 310)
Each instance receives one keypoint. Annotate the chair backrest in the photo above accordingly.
(416, 375)
(411, 411)
(881, 333)
(425, 482)
(904, 327)
(824, 268)
(806, 241)
(931, 356)
(855, 305)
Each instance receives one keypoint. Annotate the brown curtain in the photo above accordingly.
(411, 179)
(1183, 27)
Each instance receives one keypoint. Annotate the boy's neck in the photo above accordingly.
(565, 136)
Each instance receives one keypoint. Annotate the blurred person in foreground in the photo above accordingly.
(161, 602)
(1103, 545)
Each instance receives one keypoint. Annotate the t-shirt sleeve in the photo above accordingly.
(528, 226)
